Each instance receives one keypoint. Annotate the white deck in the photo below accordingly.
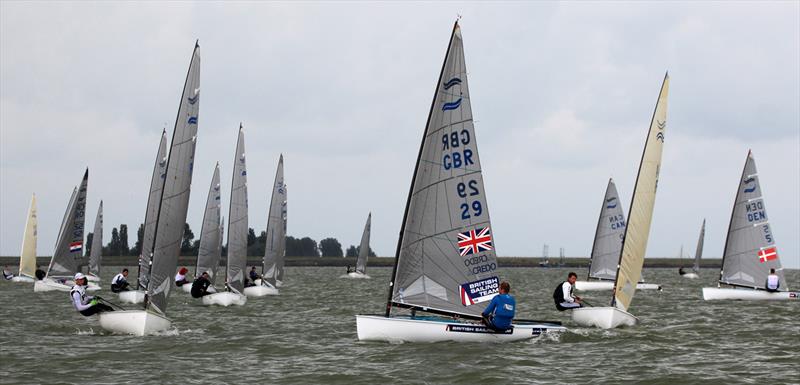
(131, 296)
(609, 285)
(136, 322)
(260, 291)
(435, 329)
(603, 317)
(717, 293)
(225, 298)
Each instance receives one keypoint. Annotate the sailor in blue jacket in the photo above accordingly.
(500, 312)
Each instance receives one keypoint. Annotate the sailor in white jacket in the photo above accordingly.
(563, 297)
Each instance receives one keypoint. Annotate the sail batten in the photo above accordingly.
(27, 256)
(750, 250)
(237, 220)
(151, 212)
(69, 246)
(445, 258)
(637, 231)
(608, 236)
(275, 248)
(208, 255)
(97, 243)
(174, 197)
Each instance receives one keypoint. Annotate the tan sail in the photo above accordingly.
(27, 257)
(634, 244)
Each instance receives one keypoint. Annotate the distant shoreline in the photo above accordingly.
(131, 261)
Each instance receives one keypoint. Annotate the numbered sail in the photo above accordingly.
(363, 248)
(151, 212)
(27, 257)
(750, 250)
(274, 255)
(637, 231)
(237, 220)
(69, 247)
(446, 258)
(171, 219)
(699, 252)
(608, 236)
(97, 243)
(209, 254)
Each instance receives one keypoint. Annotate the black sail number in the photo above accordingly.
(469, 189)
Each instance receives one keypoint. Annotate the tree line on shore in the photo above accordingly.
(256, 244)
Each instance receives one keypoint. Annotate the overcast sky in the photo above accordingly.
(562, 95)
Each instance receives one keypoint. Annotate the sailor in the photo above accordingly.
(86, 305)
(773, 281)
(120, 282)
(349, 270)
(180, 278)
(500, 312)
(40, 274)
(254, 275)
(7, 274)
(200, 285)
(680, 271)
(563, 297)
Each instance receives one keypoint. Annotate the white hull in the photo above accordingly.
(49, 284)
(691, 276)
(603, 317)
(225, 298)
(91, 286)
(260, 291)
(356, 275)
(434, 329)
(132, 296)
(716, 293)
(277, 283)
(22, 279)
(187, 287)
(136, 322)
(608, 285)
(92, 278)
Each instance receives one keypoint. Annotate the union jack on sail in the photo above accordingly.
(474, 241)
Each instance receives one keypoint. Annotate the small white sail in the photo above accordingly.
(363, 248)
(27, 257)
(96, 254)
(699, 252)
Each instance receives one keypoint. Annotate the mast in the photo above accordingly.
(416, 170)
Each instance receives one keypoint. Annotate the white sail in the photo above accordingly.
(171, 219)
(699, 252)
(27, 257)
(208, 254)
(237, 220)
(151, 212)
(637, 232)
(446, 260)
(96, 253)
(69, 246)
(275, 250)
(363, 248)
(608, 236)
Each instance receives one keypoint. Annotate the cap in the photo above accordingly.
(79, 276)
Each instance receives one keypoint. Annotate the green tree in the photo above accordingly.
(330, 247)
(113, 244)
(259, 244)
(137, 247)
(352, 251)
(124, 249)
(188, 238)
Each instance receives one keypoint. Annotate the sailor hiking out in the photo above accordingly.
(773, 282)
(563, 297)
(120, 282)
(200, 286)
(85, 304)
(500, 312)
(180, 278)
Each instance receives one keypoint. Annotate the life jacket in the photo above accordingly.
(558, 294)
(772, 282)
(80, 289)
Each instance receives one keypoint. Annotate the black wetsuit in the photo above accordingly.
(200, 287)
(40, 274)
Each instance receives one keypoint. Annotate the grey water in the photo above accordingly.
(307, 335)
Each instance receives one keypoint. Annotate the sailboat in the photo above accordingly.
(210, 250)
(275, 250)
(96, 254)
(750, 250)
(149, 231)
(607, 246)
(637, 230)
(445, 263)
(363, 252)
(27, 257)
(237, 235)
(169, 220)
(697, 255)
(69, 245)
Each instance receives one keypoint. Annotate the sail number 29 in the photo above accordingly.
(465, 190)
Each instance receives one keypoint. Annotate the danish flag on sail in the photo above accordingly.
(767, 254)
(475, 241)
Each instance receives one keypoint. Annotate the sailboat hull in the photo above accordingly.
(691, 276)
(187, 287)
(132, 296)
(609, 285)
(22, 279)
(260, 291)
(136, 322)
(603, 317)
(436, 329)
(225, 298)
(49, 284)
(356, 275)
(92, 278)
(717, 293)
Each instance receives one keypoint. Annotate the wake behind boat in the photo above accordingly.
(750, 252)
(637, 230)
(445, 262)
(607, 246)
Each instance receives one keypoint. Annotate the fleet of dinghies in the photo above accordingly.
(445, 265)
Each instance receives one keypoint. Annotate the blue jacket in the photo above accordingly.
(503, 307)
